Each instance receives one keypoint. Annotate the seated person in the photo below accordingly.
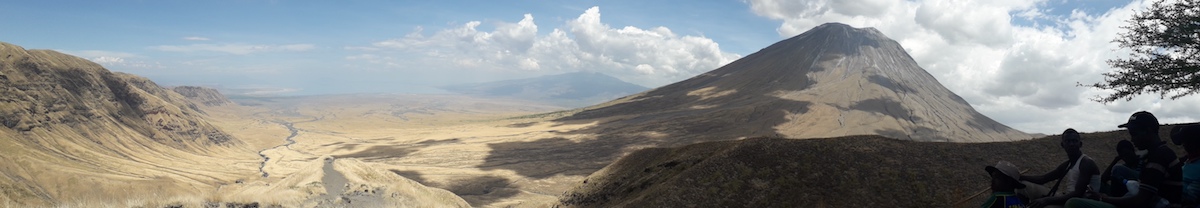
(1117, 176)
(1004, 183)
(1189, 137)
(1154, 189)
(1076, 175)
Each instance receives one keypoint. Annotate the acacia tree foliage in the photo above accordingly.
(1164, 58)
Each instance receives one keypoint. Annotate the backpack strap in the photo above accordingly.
(1056, 183)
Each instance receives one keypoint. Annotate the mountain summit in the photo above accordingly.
(834, 80)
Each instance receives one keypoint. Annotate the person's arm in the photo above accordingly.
(1087, 168)
(1104, 176)
(1154, 174)
(1057, 173)
(1142, 195)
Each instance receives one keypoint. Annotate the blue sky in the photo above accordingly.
(1010, 59)
(292, 44)
(129, 25)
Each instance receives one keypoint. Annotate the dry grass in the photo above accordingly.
(856, 171)
(495, 156)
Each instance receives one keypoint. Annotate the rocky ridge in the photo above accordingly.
(203, 95)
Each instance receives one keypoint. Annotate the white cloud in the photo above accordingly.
(115, 59)
(1021, 75)
(967, 22)
(238, 49)
(195, 38)
(105, 60)
(651, 57)
(98, 53)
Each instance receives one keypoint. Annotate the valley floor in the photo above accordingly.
(471, 147)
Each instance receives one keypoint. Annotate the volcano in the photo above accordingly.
(834, 80)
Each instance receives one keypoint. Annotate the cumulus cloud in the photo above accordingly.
(237, 49)
(1025, 76)
(195, 38)
(650, 57)
(967, 22)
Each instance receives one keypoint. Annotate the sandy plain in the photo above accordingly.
(489, 152)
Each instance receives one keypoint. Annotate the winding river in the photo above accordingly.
(287, 141)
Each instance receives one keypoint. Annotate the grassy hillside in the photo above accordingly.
(854, 171)
(75, 131)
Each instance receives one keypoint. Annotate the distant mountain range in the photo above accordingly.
(575, 89)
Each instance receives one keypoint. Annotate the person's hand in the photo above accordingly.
(1092, 194)
(1039, 203)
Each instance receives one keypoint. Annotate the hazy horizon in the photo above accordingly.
(1017, 62)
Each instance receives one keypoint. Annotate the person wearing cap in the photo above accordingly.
(1189, 137)
(1004, 182)
(1076, 175)
(1153, 188)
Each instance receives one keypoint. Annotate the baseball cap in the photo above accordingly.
(1141, 119)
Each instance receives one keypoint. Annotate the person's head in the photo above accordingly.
(1126, 152)
(1188, 136)
(1005, 176)
(1071, 142)
(1143, 129)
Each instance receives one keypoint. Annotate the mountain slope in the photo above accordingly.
(570, 90)
(834, 80)
(854, 171)
(44, 89)
(203, 95)
(73, 130)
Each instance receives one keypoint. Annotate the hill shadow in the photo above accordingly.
(483, 190)
(795, 173)
(412, 175)
(778, 172)
(387, 151)
(478, 191)
(380, 151)
(548, 157)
